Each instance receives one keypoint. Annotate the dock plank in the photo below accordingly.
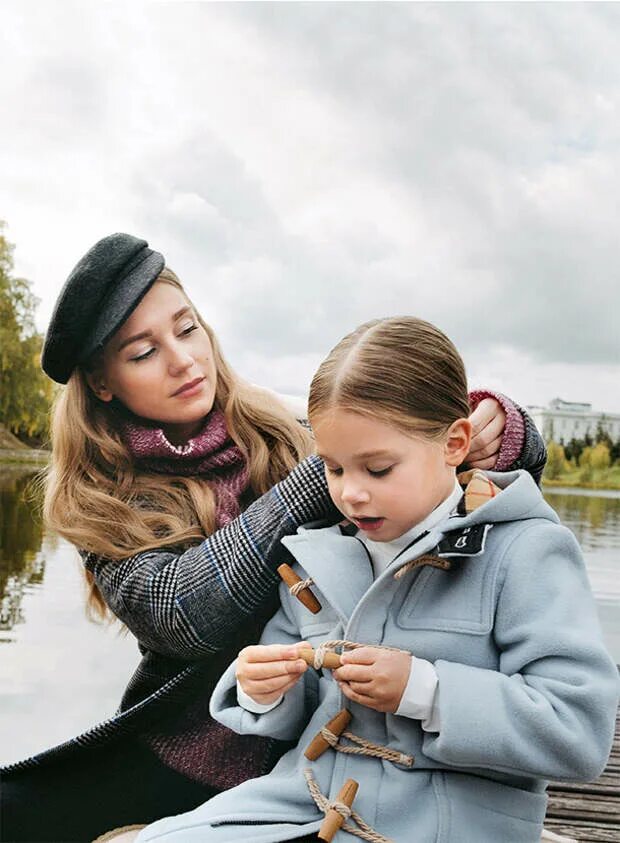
(585, 832)
(589, 812)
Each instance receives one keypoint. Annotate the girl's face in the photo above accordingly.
(381, 479)
(160, 364)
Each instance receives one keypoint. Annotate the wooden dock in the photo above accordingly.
(589, 812)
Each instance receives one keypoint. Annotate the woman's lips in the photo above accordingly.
(192, 388)
(368, 524)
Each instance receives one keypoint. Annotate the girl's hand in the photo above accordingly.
(265, 673)
(488, 423)
(373, 677)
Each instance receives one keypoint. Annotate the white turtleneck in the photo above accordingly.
(420, 699)
(383, 554)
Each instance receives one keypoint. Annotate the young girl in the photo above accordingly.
(162, 474)
(472, 668)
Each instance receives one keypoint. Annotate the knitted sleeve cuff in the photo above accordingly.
(514, 431)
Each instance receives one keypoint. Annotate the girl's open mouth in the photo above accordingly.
(369, 524)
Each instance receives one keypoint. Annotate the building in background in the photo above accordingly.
(566, 420)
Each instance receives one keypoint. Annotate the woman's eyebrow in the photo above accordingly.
(180, 312)
(143, 334)
(135, 337)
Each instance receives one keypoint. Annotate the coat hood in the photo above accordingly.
(520, 499)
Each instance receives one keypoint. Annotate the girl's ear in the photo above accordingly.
(458, 440)
(97, 384)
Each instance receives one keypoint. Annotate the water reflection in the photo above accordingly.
(594, 518)
(59, 673)
(22, 564)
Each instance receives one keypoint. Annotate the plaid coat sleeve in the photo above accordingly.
(533, 456)
(193, 603)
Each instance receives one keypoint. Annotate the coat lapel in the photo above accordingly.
(338, 564)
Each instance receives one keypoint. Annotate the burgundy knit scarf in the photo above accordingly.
(211, 455)
(192, 743)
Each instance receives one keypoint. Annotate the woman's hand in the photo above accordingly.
(373, 677)
(488, 421)
(266, 672)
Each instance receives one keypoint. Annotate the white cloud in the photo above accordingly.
(305, 167)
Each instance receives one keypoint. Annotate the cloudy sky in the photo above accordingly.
(304, 167)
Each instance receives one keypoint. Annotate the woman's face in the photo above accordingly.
(160, 364)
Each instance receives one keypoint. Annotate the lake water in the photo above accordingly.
(60, 673)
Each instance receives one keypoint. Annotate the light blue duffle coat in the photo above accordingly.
(527, 690)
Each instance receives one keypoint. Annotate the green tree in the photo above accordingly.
(25, 392)
(602, 434)
(556, 460)
(573, 449)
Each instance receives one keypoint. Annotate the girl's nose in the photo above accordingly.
(354, 493)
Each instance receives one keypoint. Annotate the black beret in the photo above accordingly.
(102, 290)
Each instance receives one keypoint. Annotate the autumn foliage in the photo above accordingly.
(25, 392)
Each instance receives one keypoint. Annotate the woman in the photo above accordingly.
(156, 445)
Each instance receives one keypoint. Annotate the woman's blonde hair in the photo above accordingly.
(97, 499)
(401, 370)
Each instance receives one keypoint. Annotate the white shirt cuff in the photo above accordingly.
(246, 701)
(420, 699)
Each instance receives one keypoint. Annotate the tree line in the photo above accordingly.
(25, 392)
(588, 456)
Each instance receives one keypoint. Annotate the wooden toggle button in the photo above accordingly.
(336, 726)
(334, 820)
(330, 660)
(305, 596)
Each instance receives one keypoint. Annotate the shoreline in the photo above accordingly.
(577, 491)
(25, 456)
(593, 486)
